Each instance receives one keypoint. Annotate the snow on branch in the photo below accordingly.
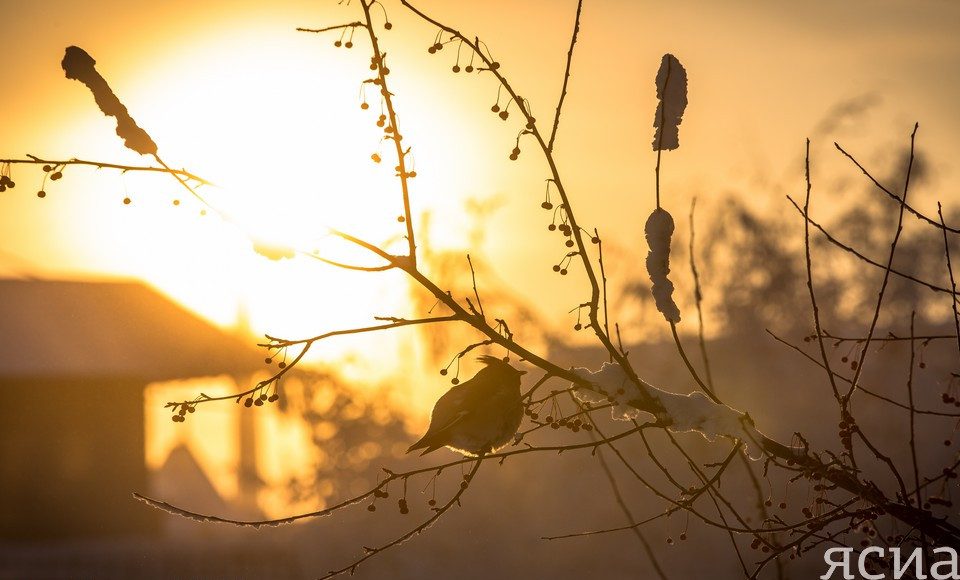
(659, 229)
(79, 65)
(671, 103)
(680, 413)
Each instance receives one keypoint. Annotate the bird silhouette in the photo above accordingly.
(479, 416)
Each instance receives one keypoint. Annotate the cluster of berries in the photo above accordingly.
(181, 415)
(259, 401)
(5, 181)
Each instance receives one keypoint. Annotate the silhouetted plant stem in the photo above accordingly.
(698, 300)
(397, 135)
(566, 76)
(886, 274)
(686, 361)
(937, 224)
(34, 160)
(865, 390)
(438, 513)
(953, 282)
(913, 430)
(809, 267)
(860, 256)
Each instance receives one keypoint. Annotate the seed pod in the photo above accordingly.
(658, 230)
(672, 97)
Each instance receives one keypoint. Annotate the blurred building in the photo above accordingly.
(74, 360)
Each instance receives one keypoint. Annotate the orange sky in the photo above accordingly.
(230, 91)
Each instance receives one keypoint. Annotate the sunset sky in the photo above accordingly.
(231, 92)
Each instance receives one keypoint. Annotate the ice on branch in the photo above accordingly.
(693, 412)
(659, 229)
(672, 101)
(78, 65)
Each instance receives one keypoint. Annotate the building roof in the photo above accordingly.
(110, 329)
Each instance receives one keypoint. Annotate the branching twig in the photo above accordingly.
(34, 160)
(886, 274)
(897, 198)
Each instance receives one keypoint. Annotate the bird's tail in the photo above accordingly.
(426, 443)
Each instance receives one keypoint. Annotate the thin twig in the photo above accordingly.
(329, 28)
(953, 282)
(809, 267)
(566, 76)
(693, 372)
(913, 415)
(473, 279)
(864, 258)
(34, 160)
(861, 387)
(698, 299)
(396, 136)
(886, 274)
(896, 197)
(603, 278)
(628, 515)
(438, 513)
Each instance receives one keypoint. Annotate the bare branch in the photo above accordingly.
(34, 160)
(897, 198)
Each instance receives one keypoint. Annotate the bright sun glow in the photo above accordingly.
(276, 126)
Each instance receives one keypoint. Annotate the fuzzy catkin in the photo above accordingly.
(78, 65)
(659, 229)
(672, 101)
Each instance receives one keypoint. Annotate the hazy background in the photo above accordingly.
(231, 92)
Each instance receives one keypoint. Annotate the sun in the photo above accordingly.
(284, 126)
(290, 152)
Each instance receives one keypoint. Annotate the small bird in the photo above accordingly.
(479, 416)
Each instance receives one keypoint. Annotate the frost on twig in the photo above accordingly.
(658, 230)
(681, 413)
(78, 65)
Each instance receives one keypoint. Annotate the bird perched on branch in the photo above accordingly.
(479, 416)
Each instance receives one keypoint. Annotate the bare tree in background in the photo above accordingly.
(857, 494)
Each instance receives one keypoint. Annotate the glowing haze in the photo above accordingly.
(230, 91)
